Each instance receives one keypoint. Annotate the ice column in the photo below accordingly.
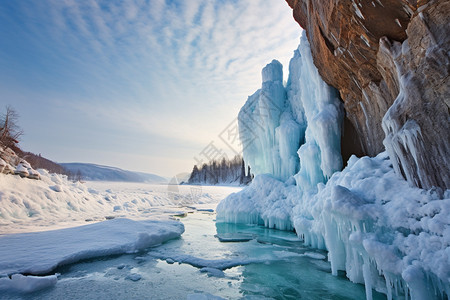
(269, 135)
(320, 155)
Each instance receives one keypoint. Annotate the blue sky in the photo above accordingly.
(141, 85)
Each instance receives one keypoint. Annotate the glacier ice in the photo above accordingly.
(383, 233)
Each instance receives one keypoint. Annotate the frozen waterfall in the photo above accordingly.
(392, 237)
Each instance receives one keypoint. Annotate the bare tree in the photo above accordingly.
(10, 132)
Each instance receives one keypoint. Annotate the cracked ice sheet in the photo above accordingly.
(41, 252)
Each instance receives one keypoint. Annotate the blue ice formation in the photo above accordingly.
(295, 128)
(383, 233)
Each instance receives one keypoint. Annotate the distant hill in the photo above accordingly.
(39, 162)
(105, 173)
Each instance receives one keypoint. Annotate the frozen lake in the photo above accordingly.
(250, 262)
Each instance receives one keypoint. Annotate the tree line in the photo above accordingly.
(221, 171)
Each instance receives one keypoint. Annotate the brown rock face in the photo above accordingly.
(409, 66)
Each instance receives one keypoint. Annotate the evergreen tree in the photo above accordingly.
(221, 171)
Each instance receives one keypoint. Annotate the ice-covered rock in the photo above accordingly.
(413, 73)
(33, 174)
(9, 156)
(8, 169)
(417, 125)
(21, 170)
(382, 232)
(10, 163)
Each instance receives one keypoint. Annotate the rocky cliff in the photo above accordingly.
(390, 62)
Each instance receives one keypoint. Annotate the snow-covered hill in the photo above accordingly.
(105, 173)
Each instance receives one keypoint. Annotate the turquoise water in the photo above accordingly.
(276, 265)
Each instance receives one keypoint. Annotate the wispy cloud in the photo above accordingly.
(164, 68)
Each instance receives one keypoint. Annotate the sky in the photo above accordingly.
(147, 86)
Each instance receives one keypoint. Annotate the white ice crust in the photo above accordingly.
(40, 253)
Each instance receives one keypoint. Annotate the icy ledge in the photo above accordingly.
(392, 237)
(42, 252)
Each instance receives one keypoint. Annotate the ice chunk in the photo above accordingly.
(203, 296)
(314, 255)
(29, 252)
(133, 277)
(220, 264)
(57, 188)
(234, 237)
(213, 272)
(27, 284)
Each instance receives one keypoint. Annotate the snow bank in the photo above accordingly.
(41, 252)
(382, 232)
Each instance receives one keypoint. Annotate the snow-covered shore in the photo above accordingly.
(55, 202)
(40, 222)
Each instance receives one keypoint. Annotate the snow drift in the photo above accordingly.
(55, 202)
